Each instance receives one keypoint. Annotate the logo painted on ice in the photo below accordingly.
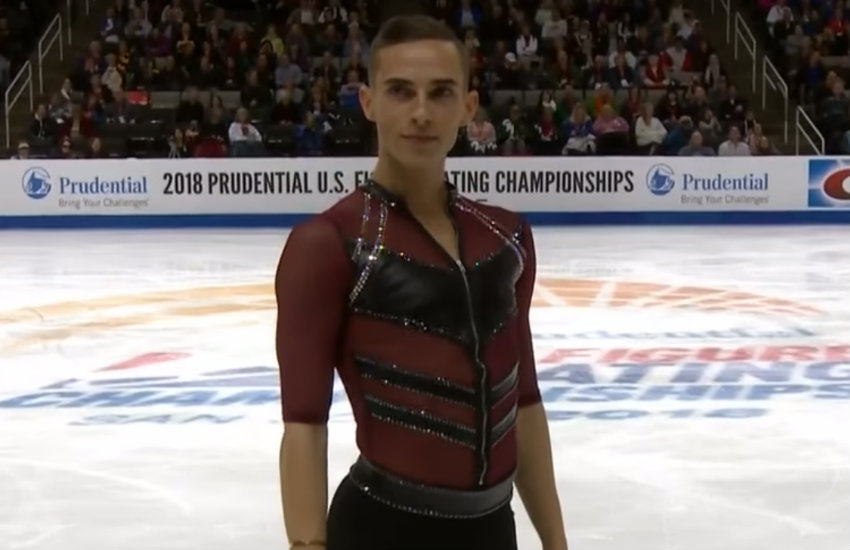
(36, 183)
(829, 183)
(660, 179)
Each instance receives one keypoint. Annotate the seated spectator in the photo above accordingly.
(695, 147)
(566, 105)
(712, 73)
(710, 128)
(245, 139)
(42, 126)
(655, 74)
(633, 105)
(274, 41)
(78, 126)
(514, 133)
(526, 46)
(327, 69)
(23, 151)
(59, 109)
(96, 149)
(309, 137)
(649, 131)
(481, 134)
(66, 151)
(254, 95)
(554, 27)
(677, 56)
(546, 139)
(734, 146)
(833, 110)
(678, 135)
(111, 28)
(190, 108)
(349, 93)
(734, 109)
(621, 76)
(764, 147)
(510, 74)
(607, 122)
(287, 73)
(120, 109)
(578, 133)
(611, 131)
(286, 111)
(178, 147)
(215, 125)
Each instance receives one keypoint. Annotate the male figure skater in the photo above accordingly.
(419, 298)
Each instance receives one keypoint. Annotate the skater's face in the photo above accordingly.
(418, 98)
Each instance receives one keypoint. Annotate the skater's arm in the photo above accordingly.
(535, 481)
(311, 286)
(304, 484)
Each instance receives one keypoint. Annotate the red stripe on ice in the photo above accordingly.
(146, 359)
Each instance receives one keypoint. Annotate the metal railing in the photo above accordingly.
(52, 35)
(771, 77)
(745, 37)
(803, 117)
(726, 6)
(24, 78)
(70, 19)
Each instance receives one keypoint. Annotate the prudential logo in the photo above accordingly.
(660, 179)
(36, 183)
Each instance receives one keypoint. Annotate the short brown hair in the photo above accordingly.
(403, 29)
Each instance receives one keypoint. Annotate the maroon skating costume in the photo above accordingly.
(435, 355)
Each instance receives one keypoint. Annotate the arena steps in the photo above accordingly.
(84, 29)
(772, 115)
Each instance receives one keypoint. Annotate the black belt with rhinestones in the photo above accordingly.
(428, 500)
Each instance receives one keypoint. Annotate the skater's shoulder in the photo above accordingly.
(333, 222)
(509, 220)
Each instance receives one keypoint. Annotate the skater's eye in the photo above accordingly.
(400, 90)
(442, 92)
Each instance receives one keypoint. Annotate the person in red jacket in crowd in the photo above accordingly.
(419, 299)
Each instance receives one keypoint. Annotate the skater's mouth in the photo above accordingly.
(419, 138)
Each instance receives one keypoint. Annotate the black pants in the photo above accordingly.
(356, 521)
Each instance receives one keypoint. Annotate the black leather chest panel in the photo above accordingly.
(434, 299)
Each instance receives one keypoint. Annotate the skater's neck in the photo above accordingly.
(422, 188)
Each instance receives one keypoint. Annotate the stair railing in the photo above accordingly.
(815, 133)
(70, 19)
(771, 77)
(726, 6)
(24, 79)
(745, 38)
(52, 35)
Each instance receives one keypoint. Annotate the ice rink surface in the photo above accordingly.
(697, 381)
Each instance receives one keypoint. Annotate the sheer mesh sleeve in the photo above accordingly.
(529, 392)
(311, 286)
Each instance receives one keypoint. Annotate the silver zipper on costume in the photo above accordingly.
(482, 389)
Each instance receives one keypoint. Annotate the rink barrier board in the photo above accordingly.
(791, 217)
(238, 192)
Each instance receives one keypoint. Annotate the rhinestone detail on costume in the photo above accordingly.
(377, 247)
(425, 422)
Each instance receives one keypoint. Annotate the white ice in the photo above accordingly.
(192, 475)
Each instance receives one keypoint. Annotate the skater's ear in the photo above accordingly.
(366, 97)
(470, 107)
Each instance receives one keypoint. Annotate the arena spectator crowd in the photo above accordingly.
(810, 40)
(196, 78)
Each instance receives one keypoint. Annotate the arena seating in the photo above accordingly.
(810, 41)
(276, 77)
(21, 23)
